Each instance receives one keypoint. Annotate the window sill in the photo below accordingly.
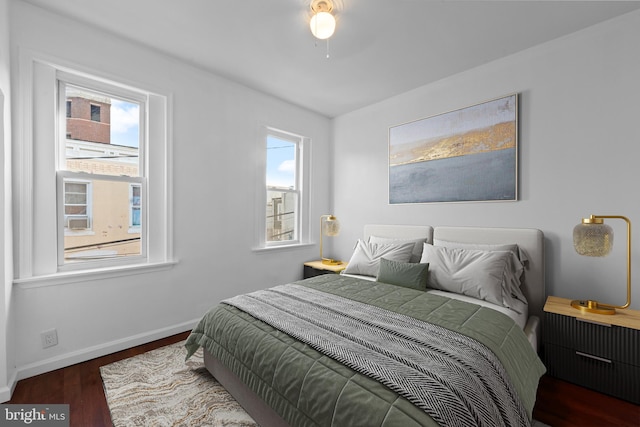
(79, 233)
(67, 277)
(281, 247)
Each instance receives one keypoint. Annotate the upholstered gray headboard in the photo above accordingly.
(399, 231)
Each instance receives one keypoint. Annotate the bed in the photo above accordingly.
(349, 350)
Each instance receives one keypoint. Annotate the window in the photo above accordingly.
(77, 204)
(285, 222)
(282, 192)
(106, 158)
(95, 113)
(102, 208)
(135, 206)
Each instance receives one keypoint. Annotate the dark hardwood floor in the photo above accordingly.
(80, 386)
(558, 404)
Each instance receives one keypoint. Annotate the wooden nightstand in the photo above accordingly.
(316, 268)
(601, 352)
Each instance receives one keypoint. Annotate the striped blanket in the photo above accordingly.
(453, 378)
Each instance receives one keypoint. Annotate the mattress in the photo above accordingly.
(307, 388)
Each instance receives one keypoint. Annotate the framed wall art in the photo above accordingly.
(465, 155)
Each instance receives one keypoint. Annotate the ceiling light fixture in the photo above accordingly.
(323, 23)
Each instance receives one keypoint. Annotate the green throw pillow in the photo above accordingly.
(407, 274)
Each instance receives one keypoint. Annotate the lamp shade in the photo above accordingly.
(593, 238)
(330, 226)
(322, 25)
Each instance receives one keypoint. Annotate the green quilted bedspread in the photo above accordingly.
(309, 389)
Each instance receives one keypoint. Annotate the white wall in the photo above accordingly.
(578, 95)
(217, 129)
(579, 147)
(6, 369)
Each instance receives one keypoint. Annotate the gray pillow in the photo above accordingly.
(417, 249)
(479, 274)
(406, 274)
(366, 256)
(514, 275)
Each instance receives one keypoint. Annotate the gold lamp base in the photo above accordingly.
(329, 261)
(590, 306)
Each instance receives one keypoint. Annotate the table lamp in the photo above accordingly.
(329, 226)
(592, 237)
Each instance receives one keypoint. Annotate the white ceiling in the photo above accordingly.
(380, 48)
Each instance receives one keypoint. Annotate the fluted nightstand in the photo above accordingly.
(316, 268)
(596, 351)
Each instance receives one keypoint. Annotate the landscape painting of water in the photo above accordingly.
(464, 155)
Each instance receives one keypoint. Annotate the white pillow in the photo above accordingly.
(417, 249)
(366, 256)
(485, 275)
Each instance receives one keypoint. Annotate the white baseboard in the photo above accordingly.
(7, 391)
(89, 353)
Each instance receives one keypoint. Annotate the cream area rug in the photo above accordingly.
(159, 388)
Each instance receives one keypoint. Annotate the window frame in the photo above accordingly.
(296, 142)
(65, 79)
(34, 192)
(302, 218)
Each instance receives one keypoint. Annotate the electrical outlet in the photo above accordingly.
(49, 338)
